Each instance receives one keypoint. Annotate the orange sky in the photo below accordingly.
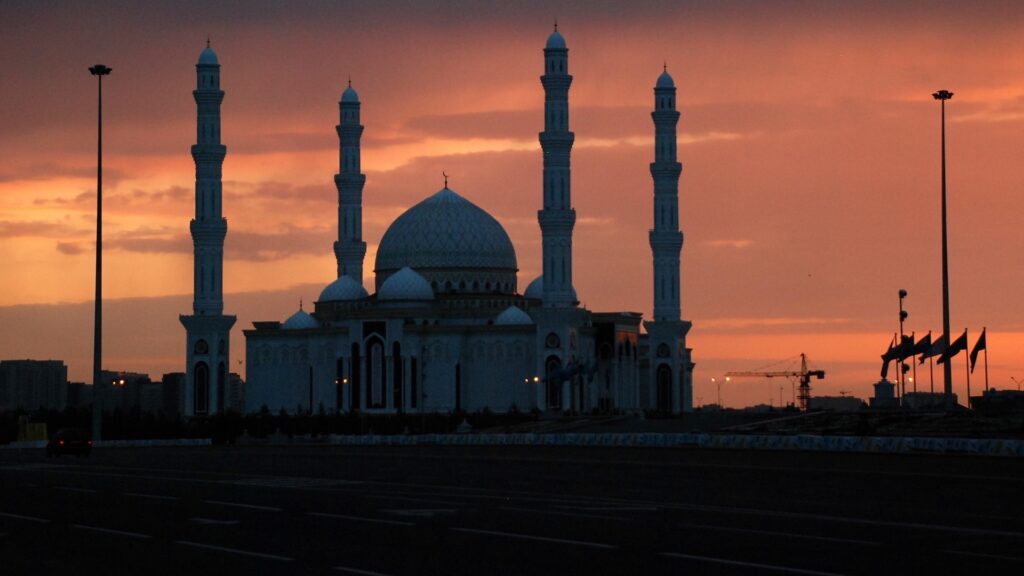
(809, 140)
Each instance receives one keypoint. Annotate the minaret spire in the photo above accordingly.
(671, 368)
(557, 218)
(207, 328)
(350, 250)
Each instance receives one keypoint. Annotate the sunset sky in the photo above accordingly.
(809, 141)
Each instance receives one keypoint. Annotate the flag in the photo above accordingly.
(923, 345)
(906, 347)
(937, 348)
(958, 345)
(978, 347)
(889, 356)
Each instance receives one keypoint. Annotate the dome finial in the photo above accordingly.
(443, 173)
(349, 80)
(207, 40)
(300, 303)
(556, 23)
(664, 67)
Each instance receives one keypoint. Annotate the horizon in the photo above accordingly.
(779, 103)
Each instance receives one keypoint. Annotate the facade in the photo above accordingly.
(33, 384)
(207, 329)
(448, 328)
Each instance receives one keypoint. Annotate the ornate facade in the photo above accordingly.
(447, 328)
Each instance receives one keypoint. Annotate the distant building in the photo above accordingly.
(926, 400)
(33, 384)
(124, 390)
(836, 403)
(79, 395)
(885, 395)
(173, 397)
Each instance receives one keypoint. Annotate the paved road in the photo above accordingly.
(510, 510)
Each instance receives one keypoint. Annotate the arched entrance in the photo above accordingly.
(664, 376)
(201, 388)
(553, 379)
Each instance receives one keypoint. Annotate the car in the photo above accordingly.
(69, 441)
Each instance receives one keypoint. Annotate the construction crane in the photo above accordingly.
(804, 375)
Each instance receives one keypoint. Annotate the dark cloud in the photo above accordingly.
(37, 229)
(72, 248)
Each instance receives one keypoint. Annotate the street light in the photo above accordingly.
(947, 371)
(99, 71)
(718, 384)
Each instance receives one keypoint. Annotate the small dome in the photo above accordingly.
(208, 56)
(344, 288)
(513, 316)
(665, 81)
(406, 284)
(349, 95)
(555, 41)
(300, 321)
(536, 289)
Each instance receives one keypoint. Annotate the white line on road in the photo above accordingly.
(20, 517)
(75, 489)
(760, 566)
(361, 519)
(151, 496)
(610, 508)
(111, 531)
(214, 522)
(241, 505)
(358, 571)
(777, 533)
(538, 538)
(234, 551)
(573, 514)
(982, 555)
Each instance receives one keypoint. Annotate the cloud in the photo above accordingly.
(35, 229)
(737, 244)
(748, 323)
(71, 248)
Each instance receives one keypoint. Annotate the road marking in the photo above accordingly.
(214, 522)
(385, 496)
(361, 519)
(20, 517)
(421, 512)
(234, 551)
(760, 566)
(241, 505)
(775, 533)
(358, 571)
(573, 514)
(982, 555)
(538, 538)
(110, 531)
(74, 489)
(151, 496)
(288, 482)
(610, 508)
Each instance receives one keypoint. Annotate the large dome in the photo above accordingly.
(454, 244)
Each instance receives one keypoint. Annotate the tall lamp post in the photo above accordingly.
(99, 71)
(947, 369)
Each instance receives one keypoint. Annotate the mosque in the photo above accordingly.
(447, 327)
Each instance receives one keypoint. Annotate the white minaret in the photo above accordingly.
(557, 218)
(207, 329)
(671, 369)
(350, 248)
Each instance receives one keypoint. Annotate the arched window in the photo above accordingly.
(354, 378)
(376, 373)
(553, 378)
(396, 361)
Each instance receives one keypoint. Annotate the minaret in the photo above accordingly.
(350, 248)
(671, 369)
(207, 329)
(557, 217)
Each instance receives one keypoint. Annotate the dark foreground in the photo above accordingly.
(522, 510)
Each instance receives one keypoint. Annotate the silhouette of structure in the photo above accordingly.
(99, 71)
(447, 329)
(207, 329)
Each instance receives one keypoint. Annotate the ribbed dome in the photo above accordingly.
(665, 81)
(453, 243)
(300, 321)
(208, 56)
(555, 41)
(513, 316)
(405, 284)
(349, 95)
(344, 288)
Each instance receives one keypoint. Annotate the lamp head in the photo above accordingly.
(942, 95)
(99, 70)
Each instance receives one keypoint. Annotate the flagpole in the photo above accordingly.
(931, 374)
(968, 366)
(986, 360)
(913, 362)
